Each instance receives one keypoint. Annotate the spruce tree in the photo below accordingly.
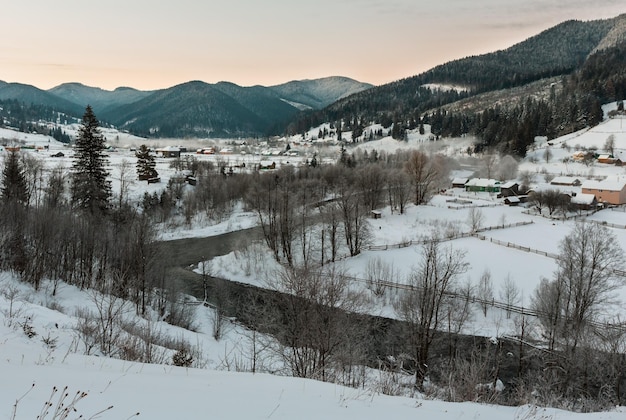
(145, 164)
(14, 185)
(91, 190)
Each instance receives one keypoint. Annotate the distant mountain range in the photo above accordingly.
(588, 53)
(195, 109)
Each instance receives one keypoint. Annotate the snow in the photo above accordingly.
(445, 87)
(609, 184)
(161, 391)
(31, 369)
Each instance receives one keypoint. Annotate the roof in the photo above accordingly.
(482, 182)
(509, 184)
(460, 181)
(512, 199)
(168, 149)
(565, 180)
(609, 184)
(583, 199)
(564, 189)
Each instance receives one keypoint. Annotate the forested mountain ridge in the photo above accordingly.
(553, 108)
(30, 95)
(100, 99)
(544, 72)
(318, 93)
(188, 109)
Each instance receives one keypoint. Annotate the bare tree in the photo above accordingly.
(538, 200)
(583, 287)
(331, 217)
(353, 213)
(485, 290)
(379, 273)
(488, 162)
(398, 190)
(33, 171)
(55, 191)
(475, 219)
(509, 293)
(316, 305)
(124, 177)
(587, 261)
(609, 145)
(556, 201)
(371, 183)
(423, 173)
(421, 307)
(220, 300)
(547, 154)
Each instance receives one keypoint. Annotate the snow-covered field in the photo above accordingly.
(162, 391)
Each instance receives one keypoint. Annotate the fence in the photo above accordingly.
(509, 307)
(406, 244)
(613, 225)
(516, 246)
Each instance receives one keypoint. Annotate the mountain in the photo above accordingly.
(200, 109)
(558, 52)
(99, 99)
(195, 108)
(30, 95)
(318, 93)
(226, 109)
(553, 52)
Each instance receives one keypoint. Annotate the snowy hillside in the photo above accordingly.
(42, 346)
(42, 362)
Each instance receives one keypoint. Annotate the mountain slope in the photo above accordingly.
(318, 93)
(556, 51)
(260, 100)
(31, 95)
(99, 99)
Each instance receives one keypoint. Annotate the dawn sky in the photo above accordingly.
(152, 45)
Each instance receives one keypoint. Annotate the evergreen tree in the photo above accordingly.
(91, 190)
(14, 185)
(145, 164)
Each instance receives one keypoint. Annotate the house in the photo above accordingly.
(512, 201)
(584, 201)
(206, 151)
(483, 185)
(169, 152)
(606, 158)
(459, 182)
(267, 165)
(568, 181)
(610, 190)
(509, 189)
(376, 214)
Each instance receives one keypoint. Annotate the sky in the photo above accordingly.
(152, 45)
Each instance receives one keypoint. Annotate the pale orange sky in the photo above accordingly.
(152, 45)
